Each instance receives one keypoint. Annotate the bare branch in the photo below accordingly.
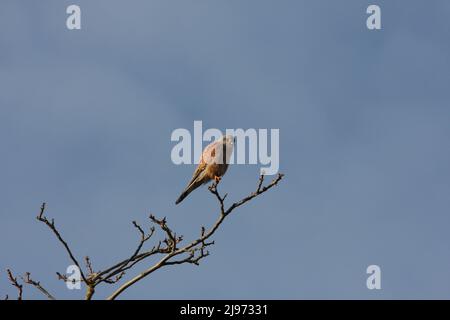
(115, 279)
(168, 248)
(171, 240)
(27, 279)
(51, 224)
(260, 182)
(15, 283)
(61, 276)
(192, 248)
(259, 191)
(88, 262)
(116, 272)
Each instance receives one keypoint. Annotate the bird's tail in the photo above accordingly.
(194, 185)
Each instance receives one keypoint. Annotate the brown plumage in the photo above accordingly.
(213, 164)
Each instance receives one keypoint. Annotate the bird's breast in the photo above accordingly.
(216, 170)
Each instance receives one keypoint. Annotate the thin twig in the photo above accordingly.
(88, 262)
(15, 283)
(118, 270)
(51, 225)
(27, 279)
(192, 248)
(191, 253)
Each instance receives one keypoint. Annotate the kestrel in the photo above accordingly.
(212, 165)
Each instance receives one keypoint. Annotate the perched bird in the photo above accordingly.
(212, 165)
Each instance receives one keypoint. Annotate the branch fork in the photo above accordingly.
(168, 249)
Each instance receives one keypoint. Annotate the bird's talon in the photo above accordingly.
(217, 179)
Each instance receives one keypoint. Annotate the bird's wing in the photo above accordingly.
(207, 157)
(200, 169)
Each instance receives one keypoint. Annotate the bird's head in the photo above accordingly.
(228, 146)
(229, 140)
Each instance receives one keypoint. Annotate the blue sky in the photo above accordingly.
(86, 118)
